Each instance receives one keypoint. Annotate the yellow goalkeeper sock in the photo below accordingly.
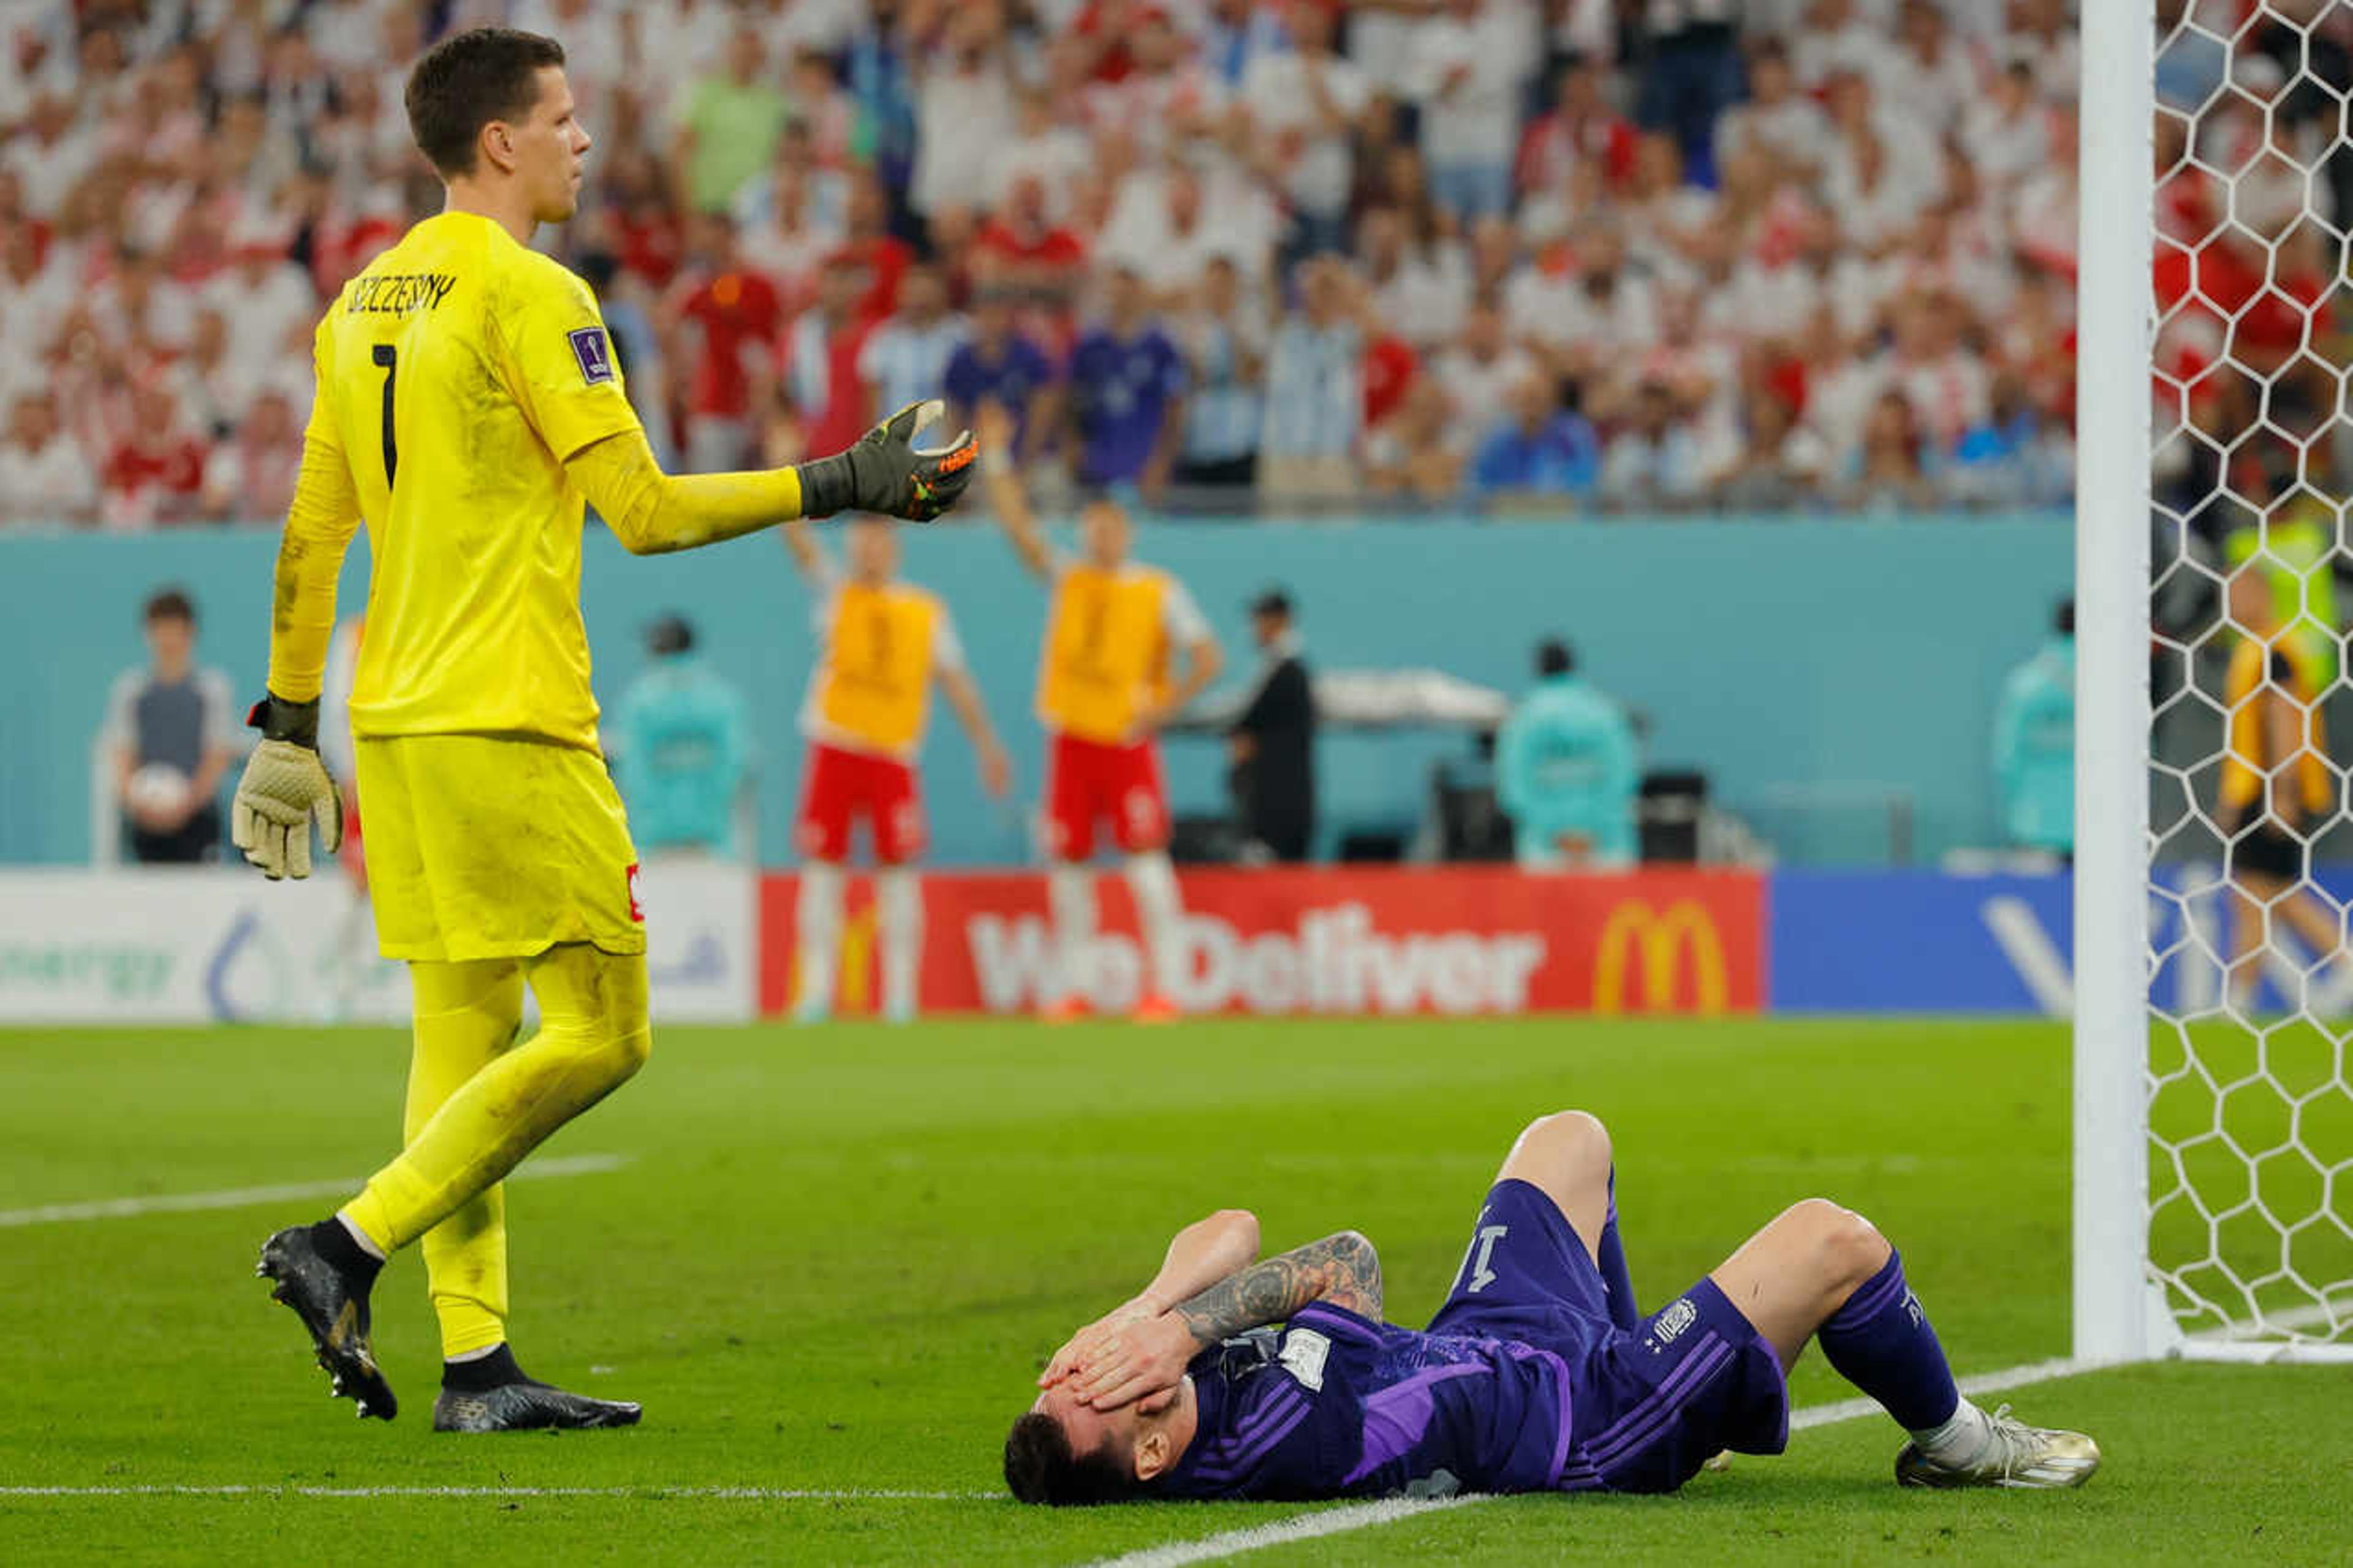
(594, 1033)
(466, 1016)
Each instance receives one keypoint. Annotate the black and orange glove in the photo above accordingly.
(886, 472)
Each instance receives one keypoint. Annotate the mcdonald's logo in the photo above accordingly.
(1658, 939)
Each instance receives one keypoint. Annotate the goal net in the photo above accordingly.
(2239, 1001)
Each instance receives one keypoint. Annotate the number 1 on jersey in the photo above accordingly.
(384, 355)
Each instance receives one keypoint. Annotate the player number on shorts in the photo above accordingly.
(386, 356)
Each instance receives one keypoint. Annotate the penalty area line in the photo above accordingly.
(291, 1192)
(1367, 1515)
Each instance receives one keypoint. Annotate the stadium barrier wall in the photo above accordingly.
(1792, 659)
(219, 944)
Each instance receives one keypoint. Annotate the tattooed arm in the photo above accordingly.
(1143, 1358)
(1343, 1269)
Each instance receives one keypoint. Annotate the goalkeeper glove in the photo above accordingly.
(285, 786)
(885, 472)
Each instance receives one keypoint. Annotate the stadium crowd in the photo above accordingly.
(1649, 255)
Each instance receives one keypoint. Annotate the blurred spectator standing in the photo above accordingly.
(1314, 392)
(725, 316)
(43, 479)
(169, 727)
(1887, 472)
(998, 363)
(681, 748)
(1127, 385)
(156, 471)
(728, 122)
(1415, 454)
(250, 478)
(2034, 743)
(1654, 461)
(824, 400)
(1567, 771)
(1224, 341)
(905, 359)
(1272, 742)
(1545, 451)
(1468, 63)
(1303, 104)
(1690, 62)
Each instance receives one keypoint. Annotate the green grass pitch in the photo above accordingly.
(834, 1259)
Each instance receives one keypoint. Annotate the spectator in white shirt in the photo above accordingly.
(43, 478)
(263, 296)
(905, 359)
(963, 113)
(1303, 102)
(1041, 148)
(1778, 119)
(1468, 63)
(250, 478)
(1419, 293)
(2007, 132)
(1480, 369)
(1838, 38)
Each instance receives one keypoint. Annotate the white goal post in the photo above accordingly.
(2212, 1190)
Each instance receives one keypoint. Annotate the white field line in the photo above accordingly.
(251, 1197)
(1303, 1527)
(727, 1494)
(1366, 1515)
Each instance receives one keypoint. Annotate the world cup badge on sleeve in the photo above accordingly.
(596, 356)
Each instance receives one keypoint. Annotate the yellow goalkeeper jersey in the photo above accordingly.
(456, 375)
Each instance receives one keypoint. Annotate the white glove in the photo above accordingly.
(284, 789)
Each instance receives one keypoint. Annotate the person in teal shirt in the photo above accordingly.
(2034, 743)
(1566, 773)
(682, 753)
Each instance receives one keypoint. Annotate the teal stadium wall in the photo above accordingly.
(1771, 652)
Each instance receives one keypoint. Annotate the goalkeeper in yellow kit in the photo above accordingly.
(467, 405)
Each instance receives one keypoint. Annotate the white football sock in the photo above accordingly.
(899, 912)
(1958, 1440)
(818, 918)
(1070, 894)
(1159, 910)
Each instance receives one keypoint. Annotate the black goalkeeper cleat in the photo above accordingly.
(527, 1407)
(335, 1307)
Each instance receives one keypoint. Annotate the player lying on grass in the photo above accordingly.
(470, 407)
(1537, 1374)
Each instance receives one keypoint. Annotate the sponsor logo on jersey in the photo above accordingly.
(1679, 1315)
(596, 356)
(636, 909)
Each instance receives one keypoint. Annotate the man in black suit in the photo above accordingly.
(1273, 742)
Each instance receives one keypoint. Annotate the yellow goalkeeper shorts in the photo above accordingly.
(495, 847)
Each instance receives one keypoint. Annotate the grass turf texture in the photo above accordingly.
(838, 1254)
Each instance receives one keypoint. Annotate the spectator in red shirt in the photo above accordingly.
(157, 471)
(736, 314)
(1031, 252)
(872, 247)
(1582, 125)
(1389, 363)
